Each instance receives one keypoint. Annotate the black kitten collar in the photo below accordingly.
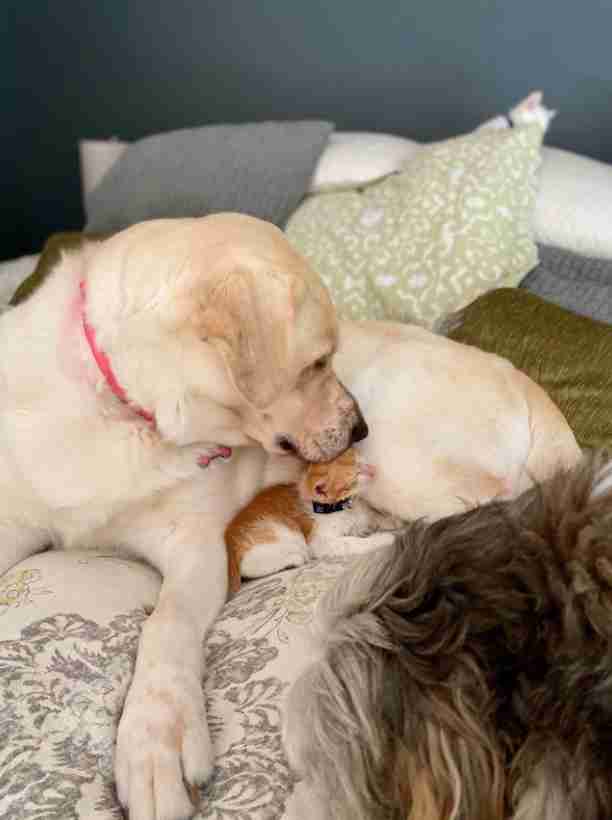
(330, 508)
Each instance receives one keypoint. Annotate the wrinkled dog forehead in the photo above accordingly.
(233, 279)
(261, 305)
(265, 328)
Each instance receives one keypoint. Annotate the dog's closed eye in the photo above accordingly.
(318, 366)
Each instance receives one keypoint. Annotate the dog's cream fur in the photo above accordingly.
(225, 334)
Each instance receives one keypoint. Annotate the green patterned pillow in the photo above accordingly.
(456, 222)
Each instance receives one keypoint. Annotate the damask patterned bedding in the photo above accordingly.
(70, 624)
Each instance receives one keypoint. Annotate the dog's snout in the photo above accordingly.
(359, 431)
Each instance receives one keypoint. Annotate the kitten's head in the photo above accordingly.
(335, 480)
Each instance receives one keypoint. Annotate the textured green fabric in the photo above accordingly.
(569, 355)
(50, 256)
(453, 224)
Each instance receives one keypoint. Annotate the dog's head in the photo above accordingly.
(242, 327)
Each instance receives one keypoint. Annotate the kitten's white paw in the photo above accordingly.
(265, 559)
(351, 545)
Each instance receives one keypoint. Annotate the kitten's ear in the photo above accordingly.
(321, 488)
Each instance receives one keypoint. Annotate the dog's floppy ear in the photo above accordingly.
(248, 324)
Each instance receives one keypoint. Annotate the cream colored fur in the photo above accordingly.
(450, 425)
(223, 332)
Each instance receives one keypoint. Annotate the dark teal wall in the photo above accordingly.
(428, 68)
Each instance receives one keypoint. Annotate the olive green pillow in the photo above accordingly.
(569, 355)
(50, 256)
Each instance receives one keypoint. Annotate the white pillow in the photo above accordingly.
(354, 158)
(574, 205)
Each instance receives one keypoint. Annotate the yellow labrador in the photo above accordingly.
(143, 361)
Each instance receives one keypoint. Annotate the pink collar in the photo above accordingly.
(105, 368)
(104, 364)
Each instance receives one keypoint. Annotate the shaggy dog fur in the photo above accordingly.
(467, 668)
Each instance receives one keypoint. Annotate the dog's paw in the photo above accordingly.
(187, 461)
(163, 746)
(217, 453)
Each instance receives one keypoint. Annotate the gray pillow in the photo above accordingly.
(262, 169)
(578, 283)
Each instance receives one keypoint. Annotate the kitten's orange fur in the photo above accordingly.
(290, 505)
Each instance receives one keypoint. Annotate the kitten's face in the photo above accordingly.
(336, 480)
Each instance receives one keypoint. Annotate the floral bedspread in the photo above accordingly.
(69, 629)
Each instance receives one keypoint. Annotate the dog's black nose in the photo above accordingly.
(359, 431)
(285, 443)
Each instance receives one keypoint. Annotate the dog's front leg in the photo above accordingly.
(163, 743)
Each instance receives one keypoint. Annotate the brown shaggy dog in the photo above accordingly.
(466, 671)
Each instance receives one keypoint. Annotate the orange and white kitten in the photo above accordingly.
(322, 514)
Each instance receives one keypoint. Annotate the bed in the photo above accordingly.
(534, 263)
